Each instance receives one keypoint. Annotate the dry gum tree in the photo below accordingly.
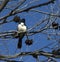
(42, 38)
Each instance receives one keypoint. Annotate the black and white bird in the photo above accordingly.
(21, 32)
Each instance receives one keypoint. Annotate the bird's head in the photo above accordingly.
(23, 20)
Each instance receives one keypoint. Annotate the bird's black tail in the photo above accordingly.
(19, 43)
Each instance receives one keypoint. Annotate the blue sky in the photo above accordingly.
(39, 40)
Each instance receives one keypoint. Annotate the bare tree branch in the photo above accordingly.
(44, 25)
(25, 9)
(3, 4)
(55, 15)
(39, 5)
(47, 54)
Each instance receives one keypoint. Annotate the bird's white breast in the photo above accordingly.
(22, 28)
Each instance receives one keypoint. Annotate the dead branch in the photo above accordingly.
(26, 9)
(55, 15)
(47, 54)
(3, 4)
